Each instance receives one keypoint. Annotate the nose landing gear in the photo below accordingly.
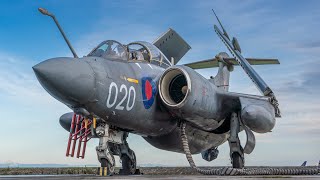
(105, 157)
(129, 164)
(128, 158)
(113, 142)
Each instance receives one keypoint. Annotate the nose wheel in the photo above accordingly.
(108, 147)
(128, 159)
(107, 168)
(129, 165)
(105, 157)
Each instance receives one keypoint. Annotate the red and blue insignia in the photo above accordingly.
(148, 91)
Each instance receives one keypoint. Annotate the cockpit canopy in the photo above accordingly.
(136, 51)
(110, 49)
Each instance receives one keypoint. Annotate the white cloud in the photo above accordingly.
(18, 81)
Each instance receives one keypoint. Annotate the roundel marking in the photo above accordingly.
(148, 91)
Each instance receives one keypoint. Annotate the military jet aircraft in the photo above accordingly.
(138, 88)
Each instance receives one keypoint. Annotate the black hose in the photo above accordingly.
(229, 171)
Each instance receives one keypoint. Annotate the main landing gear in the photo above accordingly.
(113, 142)
(236, 151)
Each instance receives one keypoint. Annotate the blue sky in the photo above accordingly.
(288, 30)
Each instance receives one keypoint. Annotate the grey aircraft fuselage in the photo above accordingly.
(134, 88)
(112, 89)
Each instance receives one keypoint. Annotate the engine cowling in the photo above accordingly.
(190, 96)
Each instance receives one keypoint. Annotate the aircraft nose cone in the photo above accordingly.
(69, 80)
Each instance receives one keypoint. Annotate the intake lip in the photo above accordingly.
(174, 87)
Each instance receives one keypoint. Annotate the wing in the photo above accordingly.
(210, 63)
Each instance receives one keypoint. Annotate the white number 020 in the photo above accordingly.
(123, 88)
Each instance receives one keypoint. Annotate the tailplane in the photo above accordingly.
(225, 65)
(214, 62)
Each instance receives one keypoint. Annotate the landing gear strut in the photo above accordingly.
(236, 151)
(105, 157)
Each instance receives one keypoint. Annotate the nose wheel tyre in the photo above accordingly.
(129, 166)
(110, 167)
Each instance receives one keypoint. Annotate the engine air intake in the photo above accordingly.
(178, 88)
(174, 87)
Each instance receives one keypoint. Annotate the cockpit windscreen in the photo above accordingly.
(135, 51)
(110, 50)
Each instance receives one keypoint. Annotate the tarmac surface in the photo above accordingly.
(148, 173)
(165, 177)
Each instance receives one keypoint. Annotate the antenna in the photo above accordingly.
(47, 13)
(224, 31)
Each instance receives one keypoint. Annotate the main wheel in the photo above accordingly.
(237, 161)
(128, 165)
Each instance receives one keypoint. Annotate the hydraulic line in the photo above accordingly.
(229, 171)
